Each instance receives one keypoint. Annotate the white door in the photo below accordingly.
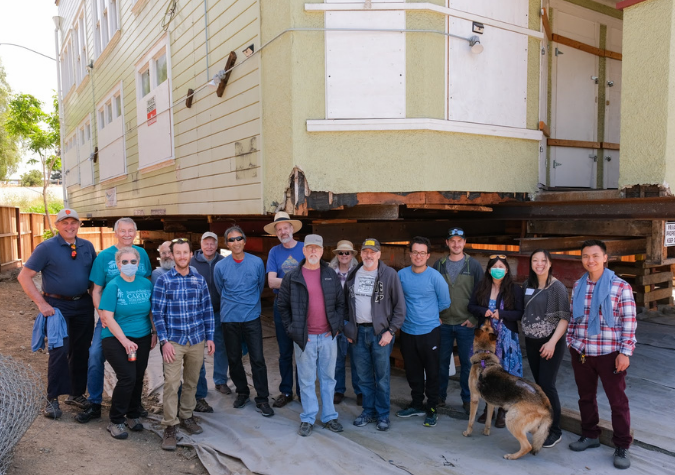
(575, 108)
(612, 111)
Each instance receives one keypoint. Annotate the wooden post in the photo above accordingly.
(655, 250)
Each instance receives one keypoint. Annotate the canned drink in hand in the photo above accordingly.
(132, 356)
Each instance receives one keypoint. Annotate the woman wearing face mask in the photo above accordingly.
(499, 298)
(547, 314)
(128, 336)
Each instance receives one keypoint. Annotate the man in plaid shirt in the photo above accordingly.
(183, 316)
(601, 343)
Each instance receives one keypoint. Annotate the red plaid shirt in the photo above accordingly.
(621, 338)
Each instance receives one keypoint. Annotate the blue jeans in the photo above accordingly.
(96, 368)
(373, 367)
(220, 356)
(285, 356)
(344, 349)
(464, 337)
(319, 355)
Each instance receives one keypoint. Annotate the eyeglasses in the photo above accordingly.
(132, 261)
(236, 238)
(418, 253)
(73, 252)
(495, 256)
(179, 240)
(344, 253)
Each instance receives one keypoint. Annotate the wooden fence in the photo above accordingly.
(20, 234)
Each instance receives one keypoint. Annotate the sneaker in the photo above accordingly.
(305, 429)
(118, 431)
(241, 401)
(52, 409)
(364, 419)
(621, 458)
(333, 425)
(78, 401)
(383, 424)
(169, 438)
(264, 409)
(410, 411)
(337, 398)
(282, 400)
(203, 406)
(584, 443)
(431, 419)
(191, 426)
(552, 440)
(135, 424)
(92, 412)
(223, 389)
(143, 412)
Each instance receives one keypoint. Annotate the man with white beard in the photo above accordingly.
(165, 261)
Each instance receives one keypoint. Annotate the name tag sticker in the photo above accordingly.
(529, 291)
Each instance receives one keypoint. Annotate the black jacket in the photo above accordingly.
(293, 299)
(205, 269)
(509, 316)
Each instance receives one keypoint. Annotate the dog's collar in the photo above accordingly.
(483, 351)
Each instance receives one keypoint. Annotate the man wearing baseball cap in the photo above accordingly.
(462, 274)
(204, 262)
(65, 262)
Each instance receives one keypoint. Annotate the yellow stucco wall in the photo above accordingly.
(648, 94)
(400, 161)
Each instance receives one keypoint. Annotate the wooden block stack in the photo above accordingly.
(652, 284)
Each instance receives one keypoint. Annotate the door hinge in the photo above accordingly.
(556, 164)
(594, 157)
(558, 52)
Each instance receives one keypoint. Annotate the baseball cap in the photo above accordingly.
(209, 234)
(456, 232)
(371, 243)
(313, 240)
(67, 213)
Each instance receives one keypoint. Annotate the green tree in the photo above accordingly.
(31, 178)
(39, 133)
(9, 151)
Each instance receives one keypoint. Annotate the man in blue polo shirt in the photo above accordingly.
(103, 271)
(65, 262)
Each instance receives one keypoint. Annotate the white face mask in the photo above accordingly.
(129, 269)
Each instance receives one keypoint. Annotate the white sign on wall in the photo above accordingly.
(669, 235)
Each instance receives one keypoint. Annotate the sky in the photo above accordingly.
(29, 23)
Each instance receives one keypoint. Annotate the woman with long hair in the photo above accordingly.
(499, 298)
(545, 320)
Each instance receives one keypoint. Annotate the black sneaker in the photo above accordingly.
(78, 401)
(551, 440)
(333, 425)
(203, 406)
(52, 409)
(143, 412)
(621, 458)
(92, 412)
(264, 409)
(241, 401)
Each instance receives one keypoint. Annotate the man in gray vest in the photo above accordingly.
(462, 273)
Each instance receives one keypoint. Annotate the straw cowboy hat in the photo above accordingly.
(282, 217)
(345, 246)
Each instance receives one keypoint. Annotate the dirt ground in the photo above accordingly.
(65, 446)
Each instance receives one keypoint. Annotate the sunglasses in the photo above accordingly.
(500, 256)
(73, 252)
(179, 240)
(132, 262)
(344, 253)
(236, 238)
(456, 232)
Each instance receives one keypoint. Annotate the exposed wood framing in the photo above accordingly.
(635, 208)
(656, 252)
(547, 24)
(544, 128)
(609, 146)
(592, 228)
(563, 40)
(572, 143)
(452, 207)
(623, 247)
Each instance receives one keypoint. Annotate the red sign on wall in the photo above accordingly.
(152, 111)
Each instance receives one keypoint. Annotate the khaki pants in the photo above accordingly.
(190, 358)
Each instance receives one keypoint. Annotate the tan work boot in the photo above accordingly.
(169, 438)
(191, 426)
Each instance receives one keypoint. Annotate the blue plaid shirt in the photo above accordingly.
(181, 308)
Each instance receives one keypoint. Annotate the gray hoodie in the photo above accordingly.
(205, 269)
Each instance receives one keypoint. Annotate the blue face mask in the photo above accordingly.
(129, 269)
(497, 273)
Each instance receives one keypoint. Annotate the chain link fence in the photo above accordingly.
(21, 399)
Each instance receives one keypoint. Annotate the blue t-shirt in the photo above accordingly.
(282, 260)
(61, 274)
(240, 285)
(130, 304)
(426, 295)
(105, 268)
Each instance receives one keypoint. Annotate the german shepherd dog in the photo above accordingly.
(529, 410)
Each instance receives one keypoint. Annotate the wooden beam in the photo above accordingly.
(231, 59)
(547, 24)
(592, 227)
(657, 278)
(656, 252)
(544, 128)
(563, 40)
(627, 247)
(568, 243)
(653, 295)
(609, 146)
(613, 55)
(19, 240)
(452, 207)
(572, 143)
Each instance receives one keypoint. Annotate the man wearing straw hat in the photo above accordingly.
(282, 259)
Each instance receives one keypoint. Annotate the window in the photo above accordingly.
(160, 67)
(109, 112)
(101, 119)
(67, 70)
(118, 106)
(105, 16)
(145, 83)
(87, 131)
(80, 48)
(86, 165)
(82, 140)
(70, 160)
(111, 140)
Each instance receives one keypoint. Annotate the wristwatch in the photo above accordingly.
(162, 343)
(393, 332)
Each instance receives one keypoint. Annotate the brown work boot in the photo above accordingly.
(282, 400)
(500, 423)
(169, 438)
(191, 426)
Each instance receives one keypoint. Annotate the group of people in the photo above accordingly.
(323, 312)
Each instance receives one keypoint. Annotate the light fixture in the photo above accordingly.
(249, 51)
(476, 47)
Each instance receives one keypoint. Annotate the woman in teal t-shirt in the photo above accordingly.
(128, 336)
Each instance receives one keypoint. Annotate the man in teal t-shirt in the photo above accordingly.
(102, 272)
